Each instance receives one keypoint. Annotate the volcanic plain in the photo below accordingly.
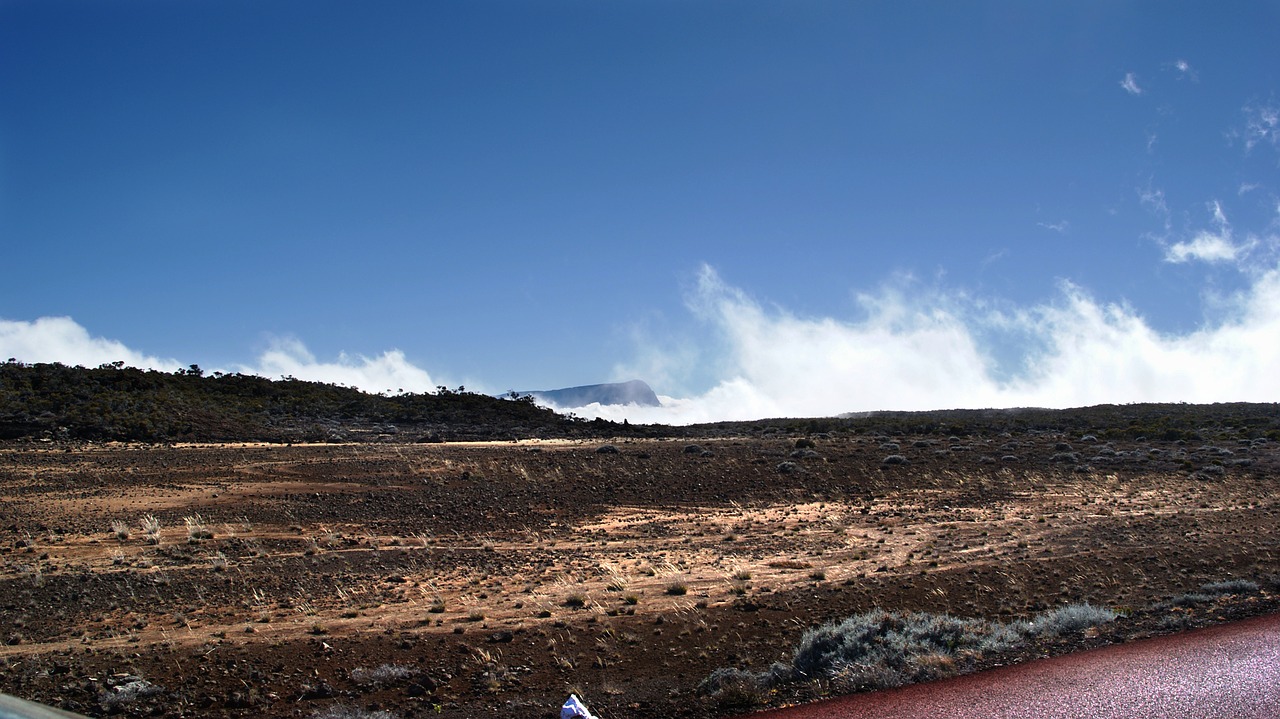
(493, 579)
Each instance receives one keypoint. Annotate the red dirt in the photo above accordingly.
(1231, 671)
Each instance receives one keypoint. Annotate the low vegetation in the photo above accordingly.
(880, 649)
(383, 675)
(114, 402)
(345, 711)
(1209, 593)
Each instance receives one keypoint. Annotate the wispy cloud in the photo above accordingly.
(1262, 125)
(1153, 201)
(1059, 227)
(1152, 198)
(62, 339)
(1185, 71)
(994, 257)
(1130, 84)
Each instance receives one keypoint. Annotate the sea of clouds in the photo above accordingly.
(906, 351)
(920, 352)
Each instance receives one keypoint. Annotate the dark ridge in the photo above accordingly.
(1167, 422)
(117, 403)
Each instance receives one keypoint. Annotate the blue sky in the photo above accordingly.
(761, 208)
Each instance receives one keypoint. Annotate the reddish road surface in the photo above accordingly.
(1226, 672)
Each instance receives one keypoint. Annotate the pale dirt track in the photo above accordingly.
(1230, 671)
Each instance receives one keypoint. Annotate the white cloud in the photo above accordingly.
(388, 372)
(1130, 84)
(60, 339)
(776, 364)
(994, 257)
(1153, 199)
(1185, 71)
(1262, 125)
(911, 348)
(1108, 353)
(1215, 245)
(1058, 227)
(1206, 247)
(918, 350)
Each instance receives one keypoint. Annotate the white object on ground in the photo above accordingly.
(574, 709)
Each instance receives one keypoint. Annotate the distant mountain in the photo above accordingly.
(634, 392)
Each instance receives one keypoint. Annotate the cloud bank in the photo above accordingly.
(389, 372)
(61, 339)
(909, 348)
(919, 350)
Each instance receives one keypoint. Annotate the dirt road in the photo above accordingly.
(1231, 671)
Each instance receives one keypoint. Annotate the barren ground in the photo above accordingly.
(492, 580)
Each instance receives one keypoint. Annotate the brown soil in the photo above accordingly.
(495, 579)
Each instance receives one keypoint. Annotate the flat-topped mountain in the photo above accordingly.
(635, 392)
